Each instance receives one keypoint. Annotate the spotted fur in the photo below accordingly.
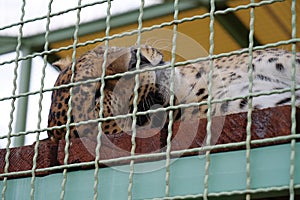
(272, 70)
(85, 99)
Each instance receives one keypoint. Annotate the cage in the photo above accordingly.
(245, 155)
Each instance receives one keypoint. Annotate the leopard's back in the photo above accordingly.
(272, 70)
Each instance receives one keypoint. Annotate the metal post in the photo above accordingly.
(22, 105)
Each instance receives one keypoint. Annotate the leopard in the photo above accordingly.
(77, 97)
(229, 93)
(226, 88)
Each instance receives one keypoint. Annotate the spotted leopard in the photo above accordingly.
(118, 92)
(272, 70)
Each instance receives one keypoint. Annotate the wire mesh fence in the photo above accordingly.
(126, 69)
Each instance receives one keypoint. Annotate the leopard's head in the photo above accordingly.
(118, 91)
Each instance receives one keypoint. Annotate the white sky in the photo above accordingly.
(6, 87)
(10, 12)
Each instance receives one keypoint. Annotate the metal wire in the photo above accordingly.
(250, 108)
(135, 98)
(37, 142)
(171, 100)
(18, 51)
(75, 36)
(209, 100)
(231, 193)
(293, 106)
(102, 95)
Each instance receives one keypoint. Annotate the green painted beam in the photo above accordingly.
(22, 102)
(7, 48)
(234, 26)
(270, 167)
(7, 44)
(116, 21)
(7, 39)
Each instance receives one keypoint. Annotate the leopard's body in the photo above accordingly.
(272, 70)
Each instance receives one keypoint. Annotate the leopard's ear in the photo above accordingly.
(117, 61)
(62, 63)
(154, 56)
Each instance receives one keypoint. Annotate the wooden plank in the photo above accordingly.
(21, 158)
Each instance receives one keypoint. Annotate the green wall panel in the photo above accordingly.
(270, 167)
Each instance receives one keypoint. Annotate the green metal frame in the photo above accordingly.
(234, 26)
(270, 167)
(22, 105)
